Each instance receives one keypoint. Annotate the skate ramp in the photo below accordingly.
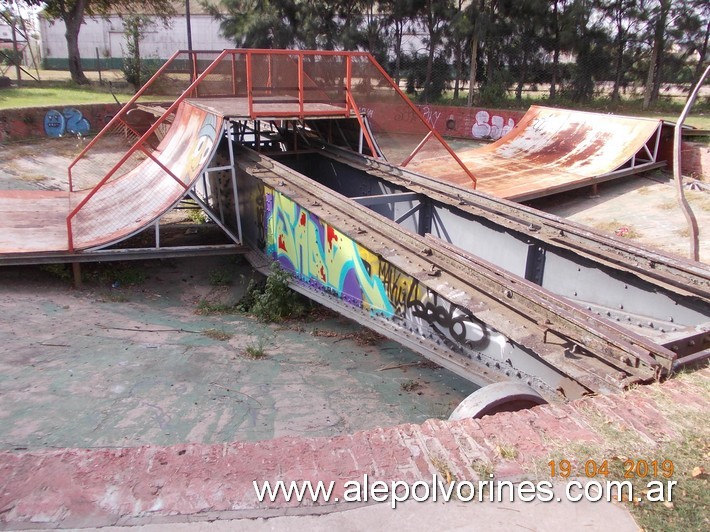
(553, 150)
(36, 221)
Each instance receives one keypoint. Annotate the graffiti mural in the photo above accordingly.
(489, 126)
(319, 255)
(322, 256)
(69, 121)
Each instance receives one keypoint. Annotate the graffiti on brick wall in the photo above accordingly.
(68, 121)
(489, 126)
(431, 115)
(322, 257)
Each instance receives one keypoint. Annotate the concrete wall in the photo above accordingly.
(107, 36)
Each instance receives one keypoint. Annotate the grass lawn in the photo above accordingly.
(40, 97)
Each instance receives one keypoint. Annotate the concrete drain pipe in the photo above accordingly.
(495, 398)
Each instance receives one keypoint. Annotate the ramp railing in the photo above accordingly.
(269, 85)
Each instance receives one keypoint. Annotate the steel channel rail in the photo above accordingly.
(618, 347)
(677, 275)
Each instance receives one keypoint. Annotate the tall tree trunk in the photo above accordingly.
(523, 75)
(619, 67)
(655, 69)
(457, 69)
(703, 52)
(556, 51)
(429, 70)
(491, 42)
(650, 77)
(474, 55)
(474, 67)
(398, 51)
(73, 21)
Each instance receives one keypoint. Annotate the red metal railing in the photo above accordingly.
(138, 145)
(342, 105)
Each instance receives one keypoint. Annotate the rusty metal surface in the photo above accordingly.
(35, 221)
(548, 150)
(672, 272)
(528, 315)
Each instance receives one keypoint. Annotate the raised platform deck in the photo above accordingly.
(268, 107)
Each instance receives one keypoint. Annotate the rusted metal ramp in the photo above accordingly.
(555, 150)
(487, 288)
(41, 226)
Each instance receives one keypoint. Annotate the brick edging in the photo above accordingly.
(98, 487)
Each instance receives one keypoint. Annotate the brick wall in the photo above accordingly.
(34, 122)
(695, 160)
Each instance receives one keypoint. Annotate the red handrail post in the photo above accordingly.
(250, 89)
(300, 86)
(348, 83)
(234, 74)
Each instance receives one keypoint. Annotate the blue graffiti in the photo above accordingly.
(70, 120)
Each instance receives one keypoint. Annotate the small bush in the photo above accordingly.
(409, 386)
(221, 277)
(206, 308)
(273, 301)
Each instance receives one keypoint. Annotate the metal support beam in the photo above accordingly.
(386, 199)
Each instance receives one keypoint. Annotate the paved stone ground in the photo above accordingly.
(98, 487)
(642, 209)
(137, 365)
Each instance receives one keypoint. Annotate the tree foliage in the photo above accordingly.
(485, 49)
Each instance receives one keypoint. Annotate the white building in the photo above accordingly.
(105, 38)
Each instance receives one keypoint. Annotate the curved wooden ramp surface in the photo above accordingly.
(553, 150)
(35, 221)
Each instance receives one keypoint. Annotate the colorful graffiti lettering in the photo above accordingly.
(490, 127)
(205, 141)
(319, 255)
(70, 121)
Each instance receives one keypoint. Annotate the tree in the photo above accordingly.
(134, 68)
(399, 13)
(624, 16)
(73, 12)
(434, 15)
(658, 21)
(525, 22)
